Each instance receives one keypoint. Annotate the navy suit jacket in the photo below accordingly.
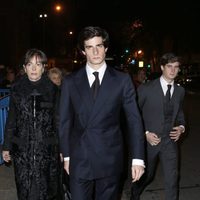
(90, 132)
(151, 103)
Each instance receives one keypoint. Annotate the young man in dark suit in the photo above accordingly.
(160, 102)
(91, 140)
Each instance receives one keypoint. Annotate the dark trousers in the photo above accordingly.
(167, 153)
(106, 188)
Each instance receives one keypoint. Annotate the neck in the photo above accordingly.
(168, 80)
(96, 66)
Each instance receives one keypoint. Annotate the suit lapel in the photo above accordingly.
(104, 92)
(83, 88)
(82, 85)
(159, 91)
(175, 100)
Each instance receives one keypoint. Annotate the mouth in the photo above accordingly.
(96, 58)
(34, 74)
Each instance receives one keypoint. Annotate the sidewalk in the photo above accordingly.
(7, 183)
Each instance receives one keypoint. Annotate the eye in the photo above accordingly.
(39, 64)
(88, 47)
(29, 64)
(100, 45)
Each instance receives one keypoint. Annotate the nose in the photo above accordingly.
(95, 50)
(173, 69)
(34, 67)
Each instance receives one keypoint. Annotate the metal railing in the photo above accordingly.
(4, 106)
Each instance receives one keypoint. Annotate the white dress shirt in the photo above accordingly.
(91, 76)
(164, 86)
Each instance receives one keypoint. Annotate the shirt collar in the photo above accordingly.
(164, 86)
(101, 71)
(165, 83)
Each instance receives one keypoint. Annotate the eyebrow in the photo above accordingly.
(95, 45)
(170, 65)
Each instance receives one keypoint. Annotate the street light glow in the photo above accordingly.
(58, 8)
(42, 15)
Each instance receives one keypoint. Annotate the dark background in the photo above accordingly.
(154, 26)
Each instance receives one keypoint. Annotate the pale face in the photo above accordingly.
(141, 76)
(170, 71)
(55, 78)
(34, 69)
(95, 52)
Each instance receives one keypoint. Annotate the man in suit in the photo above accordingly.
(161, 108)
(91, 139)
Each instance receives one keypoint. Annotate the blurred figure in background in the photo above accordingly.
(139, 77)
(55, 75)
(9, 78)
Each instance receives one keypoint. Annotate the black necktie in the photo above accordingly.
(95, 84)
(168, 95)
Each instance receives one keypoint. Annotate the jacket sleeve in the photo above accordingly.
(65, 118)
(180, 120)
(134, 121)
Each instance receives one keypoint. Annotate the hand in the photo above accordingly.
(153, 139)
(6, 156)
(176, 133)
(137, 172)
(66, 166)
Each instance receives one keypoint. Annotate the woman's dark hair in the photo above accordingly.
(37, 53)
(169, 58)
(90, 32)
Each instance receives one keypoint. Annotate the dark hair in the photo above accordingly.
(35, 52)
(169, 58)
(90, 32)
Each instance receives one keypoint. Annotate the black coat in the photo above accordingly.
(31, 137)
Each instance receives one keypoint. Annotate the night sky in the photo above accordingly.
(178, 20)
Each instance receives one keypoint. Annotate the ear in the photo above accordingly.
(24, 68)
(83, 52)
(162, 67)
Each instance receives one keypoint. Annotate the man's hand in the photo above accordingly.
(176, 133)
(6, 156)
(152, 139)
(137, 172)
(66, 166)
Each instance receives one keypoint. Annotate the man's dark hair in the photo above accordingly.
(90, 32)
(169, 58)
(35, 52)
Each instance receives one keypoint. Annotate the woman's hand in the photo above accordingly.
(6, 156)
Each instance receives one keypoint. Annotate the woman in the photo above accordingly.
(31, 135)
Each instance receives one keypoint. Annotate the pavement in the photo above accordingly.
(189, 164)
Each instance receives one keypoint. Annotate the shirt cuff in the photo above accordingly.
(66, 158)
(138, 162)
